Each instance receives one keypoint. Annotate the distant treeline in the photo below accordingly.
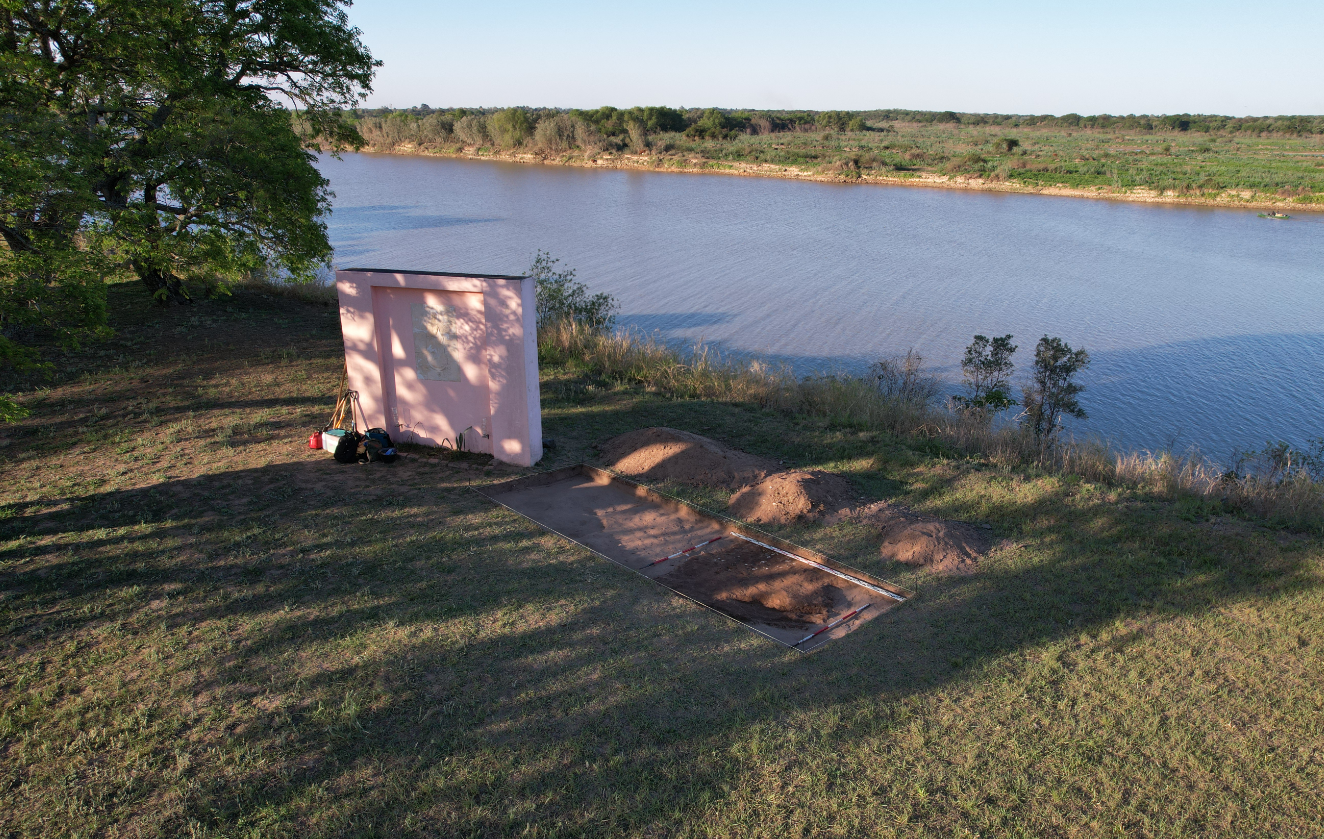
(603, 129)
(615, 129)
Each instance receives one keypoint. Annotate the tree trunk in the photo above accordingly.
(164, 287)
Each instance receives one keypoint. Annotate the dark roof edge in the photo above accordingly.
(436, 273)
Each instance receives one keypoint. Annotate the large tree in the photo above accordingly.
(172, 137)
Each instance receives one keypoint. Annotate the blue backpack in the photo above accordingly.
(378, 447)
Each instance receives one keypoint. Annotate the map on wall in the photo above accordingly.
(434, 342)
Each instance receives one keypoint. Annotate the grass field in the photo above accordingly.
(1179, 165)
(209, 630)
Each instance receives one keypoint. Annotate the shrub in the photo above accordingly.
(638, 138)
(510, 128)
(563, 300)
(715, 125)
(472, 130)
(972, 162)
(903, 379)
(10, 411)
(1052, 390)
(987, 370)
(836, 121)
(557, 133)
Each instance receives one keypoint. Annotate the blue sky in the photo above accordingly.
(1014, 57)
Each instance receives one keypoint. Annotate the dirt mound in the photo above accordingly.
(666, 454)
(787, 497)
(942, 546)
(754, 585)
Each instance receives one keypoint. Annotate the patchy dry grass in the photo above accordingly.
(209, 630)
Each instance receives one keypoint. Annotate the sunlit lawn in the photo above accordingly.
(209, 630)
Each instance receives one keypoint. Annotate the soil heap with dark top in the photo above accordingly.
(789, 497)
(666, 454)
(939, 545)
(755, 585)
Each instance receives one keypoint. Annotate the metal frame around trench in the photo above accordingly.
(831, 566)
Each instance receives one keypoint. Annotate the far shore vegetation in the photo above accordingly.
(1188, 158)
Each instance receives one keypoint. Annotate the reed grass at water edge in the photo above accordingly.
(1261, 485)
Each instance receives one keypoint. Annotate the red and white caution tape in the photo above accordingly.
(838, 622)
(687, 550)
(856, 580)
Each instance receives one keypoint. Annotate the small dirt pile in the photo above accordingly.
(788, 497)
(940, 545)
(767, 495)
(754, 585)
(666, 454)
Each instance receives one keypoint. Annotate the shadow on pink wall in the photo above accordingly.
(435, 356)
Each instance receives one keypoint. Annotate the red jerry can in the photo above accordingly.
(315, 440)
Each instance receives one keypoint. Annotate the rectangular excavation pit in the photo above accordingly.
(780, 590)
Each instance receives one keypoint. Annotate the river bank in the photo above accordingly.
(663, 162)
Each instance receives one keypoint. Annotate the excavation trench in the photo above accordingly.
(780, 590)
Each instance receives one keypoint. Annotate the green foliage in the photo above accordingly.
(563, 300)
(161, 127)
(614, 122)
(1007, 144)
(840, 121)
(986, 369)
(510, 128)
(1052, 391)
(1281, 462)
(10, 410)
(717, 125)
(472, 130)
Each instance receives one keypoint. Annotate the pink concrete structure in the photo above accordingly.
(434, 354)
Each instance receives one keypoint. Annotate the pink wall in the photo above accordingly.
(431, 354)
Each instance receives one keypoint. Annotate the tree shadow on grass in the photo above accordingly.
(359, 650)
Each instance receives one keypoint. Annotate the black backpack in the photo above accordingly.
(347, 450)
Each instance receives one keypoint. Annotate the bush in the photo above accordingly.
(715, 125)
(510, 128)
(562, 300)
(987, 370)
(903, 379)
(835, 121)
(472, 130)
(557, 133)
(1052, 390)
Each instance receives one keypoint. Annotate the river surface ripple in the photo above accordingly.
(1205, 326)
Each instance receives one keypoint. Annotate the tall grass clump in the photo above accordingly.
(1280, 485)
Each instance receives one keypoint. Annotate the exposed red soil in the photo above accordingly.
(789, 497)
(940, 545)
(755, 585)
(667, 454)
(767, 495)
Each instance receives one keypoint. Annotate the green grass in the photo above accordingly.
(209, 630)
